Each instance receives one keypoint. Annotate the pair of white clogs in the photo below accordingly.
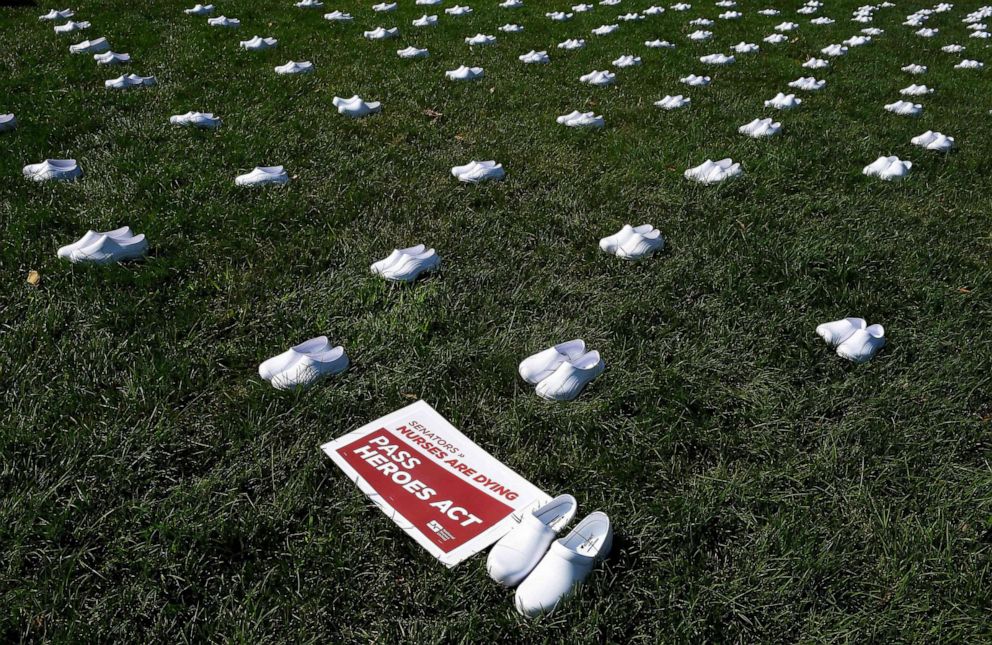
(561, 372)
(854, 339)
(548, 570)
(302, 365)
(406, 265)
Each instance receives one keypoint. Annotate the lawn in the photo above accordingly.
(154, 489)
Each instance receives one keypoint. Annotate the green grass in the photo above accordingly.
(762, 489)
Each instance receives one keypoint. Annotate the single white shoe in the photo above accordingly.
(775, 39)
(309, 4)
(55, 14)
(111, 58)
(122, 234)
(836, 332)
(952, 49)
(599, 79)
(786, 26)
(717, 59)
(627, 61)
(695, 81)
(458, 10)
(567, 563)
(8, 122)
(769, 12)
(576, 119)
(572, 43)
(480, 40)
(700, 35)
(293, 67)
(508, 4)
(95, 46)
(760, 128)
(641, 245)
(905, 108)
(539, 366)
(518, 552)
(745, 48)
(200, 10)
(701, 22)
(834, 50)
(224, 21)
(915, 69)
(511, 29)
(653, 10)
(258, 43)
(300, 368)
(571, 377)
(658, 44)
(263, 175)
(926, 32)
(783, 101)
(730, 15)
(888, 168)
(630, 17)
(202, 120)
(713, 172)
(934, 141)
(425, 21)
(379, 267)
(605, 30)
(681, 6)
(104, 249)
(535, 58)
(822, 20)
(71, 26)
(384, 7)
(130, 80)
(916, 90)
(558, 16)
(863, 344)
(969, 64)
(53, 170)
(464, 73)
(808, 84)
(409, 267)
(673, 102)
(478, 171)
(873, 31)
(338, 16)
(412, 52)
(355, 107)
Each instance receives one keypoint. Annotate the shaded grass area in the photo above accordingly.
(762, 488)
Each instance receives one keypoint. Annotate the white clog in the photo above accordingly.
(568, 562)
(863, 344)
(571, 377)
(519, 551)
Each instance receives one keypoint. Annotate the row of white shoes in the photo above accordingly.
(544, 569)
(560, 373)
(854, 339)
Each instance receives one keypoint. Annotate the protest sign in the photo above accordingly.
(447, 493)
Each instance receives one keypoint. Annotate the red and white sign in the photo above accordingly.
(450, 495)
